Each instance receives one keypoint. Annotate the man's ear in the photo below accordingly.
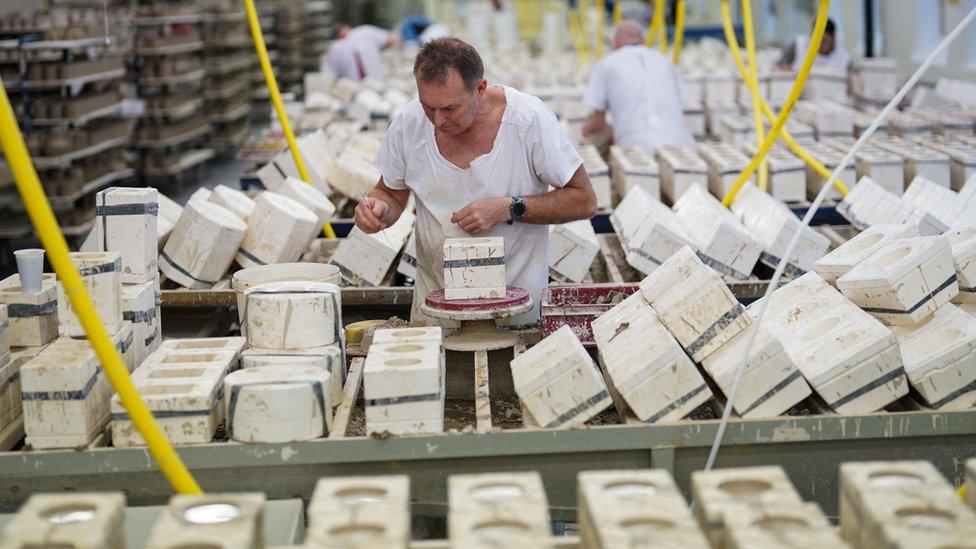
(481, 86)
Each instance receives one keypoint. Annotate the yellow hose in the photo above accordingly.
(679, 31)
(801, 78)
(584, 22)
(753, 75)
(618, 12)
(601, 30)
(574, 29)
(662, 33)
(767, 112)
(53, 241)
(255, 24)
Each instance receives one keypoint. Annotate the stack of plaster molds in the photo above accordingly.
(883, 166)
(719, 493)
(771, 383)
(725, 163)
(963, 242)
(498, 509)
(736, 128)
(403, 381)
(646, 365)
(630, 167)
(308, 196)
(32, 318)
(863, 120)
(772, 526)
(827, 118)
(787, 173)
(474, 268)
(139, 306)
(627, 508)
(694, 115)
(572, 248)
(773, 224)
(830, 158)
(65, 394)
(919, 161)
(724, 244)
(279, 230)
(694, 304)
(211, 520)
(101, 275)
(947, 122)
(848, 357)
(202, 245)
(360, 512)
(869, 204)
(827, 84)
(81, 520)
(680, 168)
(649, 232)
(901, 504)
(599, 174)
(903, 281)
(874, 80)
(843, 258)
(270, 404)
(234, 200)
(364, 259)
(558, 383)
(126, 222)
(181, 382)
(962, 157)
(169, 214)
(273, 174)
(353, 175)
(296, 324)
(941, 202)
(718, 85)
(904, 124)
(940, 358)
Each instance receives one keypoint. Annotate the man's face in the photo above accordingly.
(826, 44)
(449, 105)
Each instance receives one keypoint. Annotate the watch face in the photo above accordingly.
(518, 209)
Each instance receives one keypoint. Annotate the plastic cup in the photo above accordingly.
(30, 267)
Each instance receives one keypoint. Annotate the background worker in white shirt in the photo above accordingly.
(830, 55)
(640, 89)
(355, 53)
(480, 160)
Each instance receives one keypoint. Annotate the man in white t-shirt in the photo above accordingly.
(830, 55)
(355, 53)
(480, 160)
(640, 89)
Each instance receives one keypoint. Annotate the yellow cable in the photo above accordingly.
(801, 78)
(753, 75)
(768, 112)
(583, 8)
(255, 24)
(651, 29)
(574, 30)
(679, 30)
(39, 210)
(618, 12)
(601, 32)
(662, 33)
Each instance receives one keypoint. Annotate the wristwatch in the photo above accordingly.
(516, 210)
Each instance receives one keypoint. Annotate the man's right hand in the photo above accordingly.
(370, 213)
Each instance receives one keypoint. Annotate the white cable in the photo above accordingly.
(761, 311)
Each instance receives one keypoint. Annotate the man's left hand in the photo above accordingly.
(483, 214)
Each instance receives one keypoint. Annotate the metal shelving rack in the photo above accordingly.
(68, 100)
(169, 77)
(229, 59)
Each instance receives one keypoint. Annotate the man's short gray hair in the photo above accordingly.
(628, 32)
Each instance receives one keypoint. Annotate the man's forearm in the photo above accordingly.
(557, 206)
